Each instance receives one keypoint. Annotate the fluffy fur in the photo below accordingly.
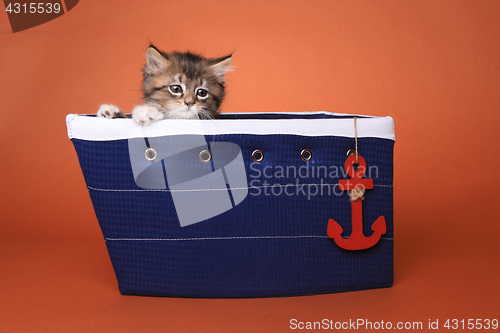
(177, 85)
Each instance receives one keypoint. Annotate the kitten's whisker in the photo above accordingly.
(210, 109)
(206, 114)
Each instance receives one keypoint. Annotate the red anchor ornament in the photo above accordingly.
(357, 240)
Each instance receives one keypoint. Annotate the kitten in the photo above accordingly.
(177, 86)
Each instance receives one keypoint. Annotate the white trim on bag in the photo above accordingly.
(101, 129)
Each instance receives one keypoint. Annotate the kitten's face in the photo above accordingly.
(187, 85)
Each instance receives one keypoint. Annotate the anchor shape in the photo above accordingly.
(357, 240)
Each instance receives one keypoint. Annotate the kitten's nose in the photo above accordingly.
(189, 102)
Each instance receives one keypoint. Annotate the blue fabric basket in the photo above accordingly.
(186, 211)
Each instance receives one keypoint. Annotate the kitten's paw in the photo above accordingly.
(146, 114)
(110, 111)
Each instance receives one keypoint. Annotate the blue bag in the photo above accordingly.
(240, 206)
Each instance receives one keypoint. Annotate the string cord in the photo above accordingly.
(357, 193)
(356, 138)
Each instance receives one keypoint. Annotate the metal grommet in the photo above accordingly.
(150, 154)
(257, 155)
(205, 156)
(306, 154)
(351, 152)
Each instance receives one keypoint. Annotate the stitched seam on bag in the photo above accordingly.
(214, 189)
(222, 238)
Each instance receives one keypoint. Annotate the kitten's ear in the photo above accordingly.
(155, 62)
(221, 66)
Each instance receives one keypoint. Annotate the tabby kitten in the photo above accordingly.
(177, 86)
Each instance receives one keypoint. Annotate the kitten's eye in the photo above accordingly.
(175, 89)
(202, 93)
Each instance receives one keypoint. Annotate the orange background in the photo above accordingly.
(434, 66)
